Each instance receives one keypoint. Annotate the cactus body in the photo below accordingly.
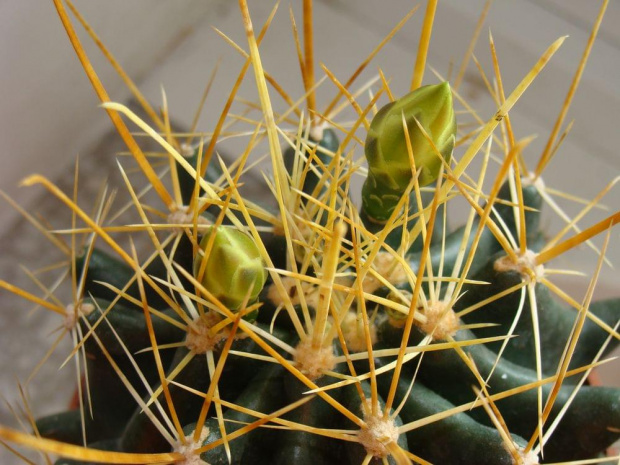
(320, 332)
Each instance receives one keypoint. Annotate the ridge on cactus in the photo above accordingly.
(323, 331)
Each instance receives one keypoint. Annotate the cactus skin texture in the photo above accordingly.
(326, 332)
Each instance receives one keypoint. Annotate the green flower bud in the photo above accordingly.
(389, 168)
(234, 267)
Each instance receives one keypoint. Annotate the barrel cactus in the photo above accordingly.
(320, 329)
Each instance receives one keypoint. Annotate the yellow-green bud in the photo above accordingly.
(234, 268)
(389, 167)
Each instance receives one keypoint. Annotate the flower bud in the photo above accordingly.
(234, 267)
(389, 167)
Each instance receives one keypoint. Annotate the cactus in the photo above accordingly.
(323, 331)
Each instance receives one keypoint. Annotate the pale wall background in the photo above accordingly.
(49, 113)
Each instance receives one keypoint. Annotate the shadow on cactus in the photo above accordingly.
(320, 331)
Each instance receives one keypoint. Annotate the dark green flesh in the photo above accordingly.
(140, 435)
(105, 268)
(555, 320)
(445, 373)
(457, 439)
(443, 254)
(394, 238)
(103, 382)
(263, 394)
(187, 182)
